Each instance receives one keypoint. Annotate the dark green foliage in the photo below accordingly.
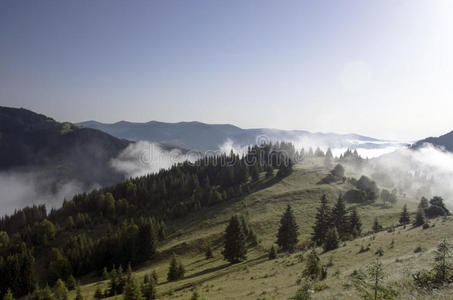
(60, 291)
(355, 196)
(235, 249)
(305, 290)
(313, 266)
(272, 253)
(288, 231)
(339, 218)
(376, 225)
(424, 204)
(175, 270)
(331, 240)
(17, 271)
(322, 222)
(124, 223)
(369, 187)
(149, 288)
(442, 272)
(71, 283)
(338, 171)
(132, 290)
(404, 216)
(355, 224)
(379, 251)
(208, 253)
(436, 208)
(419, 218)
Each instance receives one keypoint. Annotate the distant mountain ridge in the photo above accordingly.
(212, 136)
(32, 142)
(444, 141)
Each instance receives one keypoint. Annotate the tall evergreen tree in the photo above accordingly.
(419, 217)
(149, 289)
(339, 218)
(235, 241)
(355, 224)
(322, 222)
(132, 290)
(376, 225)
(288, 231)
(404, 216)
(175, 270)
(331, 240)
(443, 269)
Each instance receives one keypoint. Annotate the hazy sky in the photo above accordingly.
(380, 68)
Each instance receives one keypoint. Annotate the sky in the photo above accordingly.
(379, 68)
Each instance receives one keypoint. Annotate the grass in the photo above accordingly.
(260, 278)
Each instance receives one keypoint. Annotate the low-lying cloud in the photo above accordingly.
(20, 189)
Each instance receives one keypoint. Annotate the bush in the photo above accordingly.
(379, 251)
(418, 249)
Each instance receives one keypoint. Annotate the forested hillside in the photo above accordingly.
(123, 224)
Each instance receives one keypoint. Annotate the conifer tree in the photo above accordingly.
(443, 269)
(272, 253)
(175, 270)
(332, 240)
(339, 218)
(376, 225)
(288, 231)
(313, 267)
(149, 289)
(132, 290)
(71, 283)
(322, 222)
(404, 216)
(355, 223)
(377, 275)
(419, 217)
(209, 253)
(235, 241)
(60, 290)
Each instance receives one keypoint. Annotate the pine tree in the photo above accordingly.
(209, 253)
(175, 270)
(272, 253)
(8, 295)
(235, 241)
(377, 275)
(419, 218)
(322, 222)
(332, 240)
(60, 290)
(132, 290)
(149, 289)
(442, 268)
(355, 224)
(313, 267)
(288, 231)
(71, 283)
(376, 225)
(339, 218)
(404, 216)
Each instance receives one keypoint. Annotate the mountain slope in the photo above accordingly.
(62, 151)
(443, 141)
(212, 136)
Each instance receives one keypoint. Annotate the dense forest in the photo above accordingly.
(123, 224)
